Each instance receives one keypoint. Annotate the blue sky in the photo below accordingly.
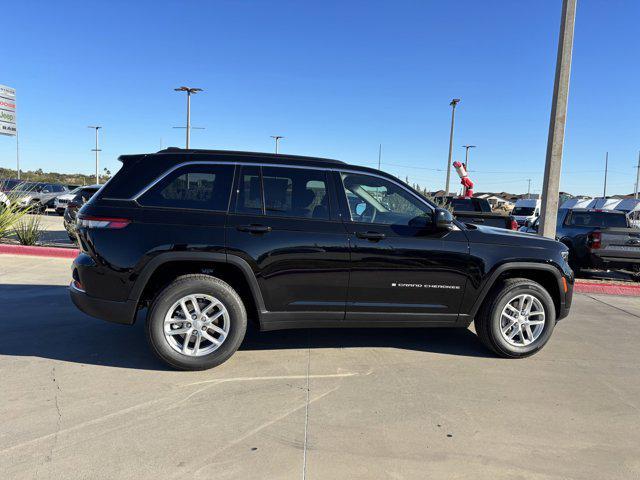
(335, 78)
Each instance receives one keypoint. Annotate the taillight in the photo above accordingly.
(594, 240)
(102, 222)
(514, 225)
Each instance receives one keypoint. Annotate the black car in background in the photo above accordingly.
(209, 240)
(597, 238)
(82, 196)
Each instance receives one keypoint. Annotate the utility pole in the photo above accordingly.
(190, 91)
(453, 104)
(466, 156)
(97, 150)
(379, 155)
(555, 141)
(529, 188)
(277, 139)
(635, 193)
(606, 170)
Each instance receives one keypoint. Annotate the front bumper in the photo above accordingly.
(116, 312)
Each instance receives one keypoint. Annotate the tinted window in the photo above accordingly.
(462, 205)
(597, 219)
(204, 187)
(249, 191)
(523, 211)
(376, 200)
(295, 192)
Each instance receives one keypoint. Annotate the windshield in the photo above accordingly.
(597, 219)
(6, 185)
(28, 187)
(523, 211)
(462, 205)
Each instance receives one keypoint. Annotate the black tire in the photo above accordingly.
(191, 285)
(487, 321)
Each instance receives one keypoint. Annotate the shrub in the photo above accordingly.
(10, 215)
(29, 230)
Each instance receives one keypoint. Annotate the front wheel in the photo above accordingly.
(516, 319)
(196, 322)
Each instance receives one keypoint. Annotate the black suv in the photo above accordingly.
(208, 239)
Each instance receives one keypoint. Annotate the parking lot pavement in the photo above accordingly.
(85, 399)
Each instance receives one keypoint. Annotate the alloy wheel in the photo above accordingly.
(522, 320)
(196, 325)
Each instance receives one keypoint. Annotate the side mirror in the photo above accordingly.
(444, 219)
(527, 223)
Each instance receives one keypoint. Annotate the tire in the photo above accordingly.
(489, 320)
(37, 208)
(203, 288)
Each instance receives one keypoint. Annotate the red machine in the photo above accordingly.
(465, 181)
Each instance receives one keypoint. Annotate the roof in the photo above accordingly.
(258, 156)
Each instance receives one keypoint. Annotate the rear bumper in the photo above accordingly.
(116, 312)
(606, 262)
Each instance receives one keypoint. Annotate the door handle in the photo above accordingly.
(257, 229)
(373, 236)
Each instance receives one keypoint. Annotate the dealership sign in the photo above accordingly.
(8, 111)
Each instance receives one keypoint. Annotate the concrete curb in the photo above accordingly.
(55, 252)
(607, 288)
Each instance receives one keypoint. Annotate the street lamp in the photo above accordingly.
(189, 91)
(97, 150)
(453, 104)
(466, 156)
(277, 139)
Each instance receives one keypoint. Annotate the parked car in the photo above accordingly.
(4, 201)
(7, 184)
(526, 210)
(61, 201)
(208, 240)
(477, 211)
(602, 239)
(36, 195)
(82, 196)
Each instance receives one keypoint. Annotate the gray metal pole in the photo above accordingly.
(635, 193)
(555, 142)
(453, 104)
(606, 170)
(17, 154)
(188, 118)
(97, 159)
(379, 155)
(529, 188)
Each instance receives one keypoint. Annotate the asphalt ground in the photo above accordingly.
(82, 398)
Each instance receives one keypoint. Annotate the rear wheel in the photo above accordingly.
(197, 322)
(517, 318)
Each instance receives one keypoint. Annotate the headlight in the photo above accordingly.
(565, 255)
(24, 200)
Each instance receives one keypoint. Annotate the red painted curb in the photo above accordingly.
(55, 252)
(606, 288)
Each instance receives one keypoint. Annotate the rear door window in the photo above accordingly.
(295, 192)
(202, 187)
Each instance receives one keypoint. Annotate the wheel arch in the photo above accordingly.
(546, 275)
(235, 271)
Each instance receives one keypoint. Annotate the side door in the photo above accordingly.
(284, 223)
(403, 269)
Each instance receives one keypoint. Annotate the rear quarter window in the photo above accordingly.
(202, 187)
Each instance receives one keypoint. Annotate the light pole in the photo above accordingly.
(97, 150)
(190, 91)
(277, 139)
(453, 104)
(606, 170)
(466, 156)
(635, 193)
(379, 155)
